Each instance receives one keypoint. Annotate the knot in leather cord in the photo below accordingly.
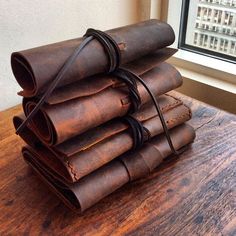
(130, 81)
(139, 132)
(109, 45)
(158, 109)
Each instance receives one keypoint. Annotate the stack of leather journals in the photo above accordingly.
(98, 128)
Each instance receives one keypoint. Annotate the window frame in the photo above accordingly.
(182, 38)
(197, 67)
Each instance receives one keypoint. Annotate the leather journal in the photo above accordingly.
(87, 152)
(97, 112)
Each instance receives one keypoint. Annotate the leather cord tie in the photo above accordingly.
(139, 132)
(158, 109)
(110, 47)
(130, 81)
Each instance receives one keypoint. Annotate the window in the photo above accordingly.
(194, 64)
(209, 27)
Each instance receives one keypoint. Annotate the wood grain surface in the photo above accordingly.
(194, 194)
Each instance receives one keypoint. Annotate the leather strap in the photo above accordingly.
(142, 162)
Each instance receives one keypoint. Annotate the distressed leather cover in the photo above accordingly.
(74, 109)
(35, 68)
(105, 180)
(87, 152)
(78, 142)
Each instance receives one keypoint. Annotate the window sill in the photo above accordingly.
(206, 70)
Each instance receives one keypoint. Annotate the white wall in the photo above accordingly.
(26, 24)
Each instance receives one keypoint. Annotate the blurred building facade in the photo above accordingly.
(214, 25)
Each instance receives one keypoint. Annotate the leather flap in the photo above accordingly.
(97, 83)
(148, 110)
(81, 88)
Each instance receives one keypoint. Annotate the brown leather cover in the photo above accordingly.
(35, 68)
(74, 109)
(78, 142)
(105, 180)
(87, 152)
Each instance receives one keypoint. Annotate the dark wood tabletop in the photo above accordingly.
(194, 194)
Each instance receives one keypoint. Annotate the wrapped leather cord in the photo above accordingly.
(109, 45)
(139, 132)
(158, 109)
(130, 81)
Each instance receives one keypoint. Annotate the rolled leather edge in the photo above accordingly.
(53, 126)
(35, 68)
(27, 135)
(105, 180)
(44, 153)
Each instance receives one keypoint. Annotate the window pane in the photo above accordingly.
(211, 26)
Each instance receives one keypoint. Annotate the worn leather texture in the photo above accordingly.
(105, 180)
(35, 68)
(89, 151)
(79, 139)
(93, 103)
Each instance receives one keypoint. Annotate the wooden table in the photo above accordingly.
(191, 195)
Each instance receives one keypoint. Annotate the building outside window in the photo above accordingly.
(209, 27)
